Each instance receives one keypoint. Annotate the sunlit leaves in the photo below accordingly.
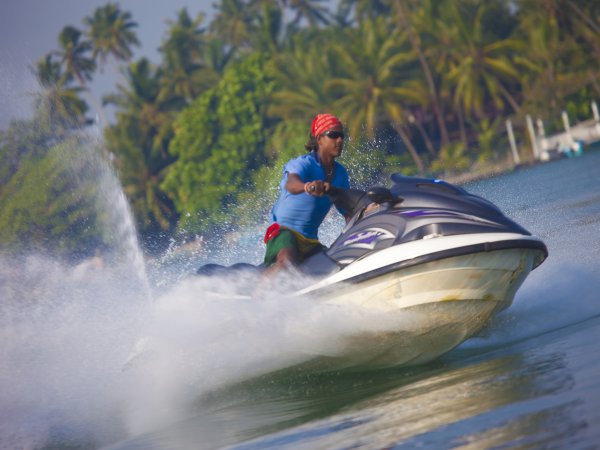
(219, 140)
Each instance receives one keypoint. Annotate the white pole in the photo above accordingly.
(597, 120)
(540, 127)
(513, 144)
(565, 119)
(534, 145)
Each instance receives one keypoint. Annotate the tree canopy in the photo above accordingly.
(422, 86)
(219, 140)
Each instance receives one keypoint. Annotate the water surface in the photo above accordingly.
(218, 377)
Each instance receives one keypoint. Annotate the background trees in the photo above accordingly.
(111, 34)
(57, 103)
(219, 141)
(422, 86)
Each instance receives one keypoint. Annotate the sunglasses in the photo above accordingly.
(334, 134)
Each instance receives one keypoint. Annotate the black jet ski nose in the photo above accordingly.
(380, 194)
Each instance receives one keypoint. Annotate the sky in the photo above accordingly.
(29, 29)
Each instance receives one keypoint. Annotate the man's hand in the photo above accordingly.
(295, 185)
(317, 188)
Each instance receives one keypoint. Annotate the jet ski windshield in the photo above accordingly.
(348, 201)
(352, 201)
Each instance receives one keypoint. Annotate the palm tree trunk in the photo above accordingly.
(437, 109)
(584, 17)
(510, 99)
(428, 144)
(461, 125)
(410, 147)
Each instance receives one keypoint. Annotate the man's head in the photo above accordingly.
(326, 131)
(324, 122)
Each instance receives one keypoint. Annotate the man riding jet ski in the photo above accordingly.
(303, 204)
(423, 247)
(426, 248)
(418, 221)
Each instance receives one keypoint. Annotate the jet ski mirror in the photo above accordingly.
(379, 195)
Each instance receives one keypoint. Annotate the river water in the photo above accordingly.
(211, 372)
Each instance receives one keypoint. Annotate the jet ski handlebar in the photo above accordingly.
(353, 200)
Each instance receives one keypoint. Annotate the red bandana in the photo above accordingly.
(322, 123)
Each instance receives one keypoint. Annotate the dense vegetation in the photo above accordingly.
(423, 86)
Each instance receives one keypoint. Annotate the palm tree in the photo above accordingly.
(372, 91)
(587, 32)
(584, 26)
(481, 69)
(269, 29)
(575, 27)
(313, 11)
(77, 63)
(405, 19)
(74, 55)
(552, 67)
(182, 54)
(233, 22)
(59, 103)
(300, 72)
(216, 56)
(366, 9)
(110, 32)
(140, 142)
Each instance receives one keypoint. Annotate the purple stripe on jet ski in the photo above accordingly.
(419, 213)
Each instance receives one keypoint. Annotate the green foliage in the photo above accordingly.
(23, 139)
(48, 201)
(398, 163)
(490, 135)
(57, 103)
(366, 162)
(301, 73)
(452, 158)
(74, 55)
(140, 141)
(219, 139)
(110, 31)
(205, 133)
(285, 142)
(184, 75)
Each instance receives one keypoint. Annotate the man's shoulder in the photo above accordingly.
(342, 179)
(306, 157)
(302, 161)
(340, 167)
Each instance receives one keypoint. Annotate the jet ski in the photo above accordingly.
(424, 249)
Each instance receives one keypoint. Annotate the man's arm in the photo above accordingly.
(295, 185)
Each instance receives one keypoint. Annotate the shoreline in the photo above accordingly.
(486, 172)
(507, 166)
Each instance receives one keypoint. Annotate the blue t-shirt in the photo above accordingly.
(302, 212)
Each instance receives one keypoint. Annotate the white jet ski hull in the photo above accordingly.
(437, 304)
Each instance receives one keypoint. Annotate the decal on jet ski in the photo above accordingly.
(367, 238)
